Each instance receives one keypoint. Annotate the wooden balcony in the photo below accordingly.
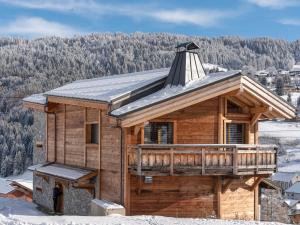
(201, 159)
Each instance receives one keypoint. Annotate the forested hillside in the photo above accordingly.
(33, 66)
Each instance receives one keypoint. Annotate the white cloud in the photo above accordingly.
(37, 27)
(293, 22)
(204, 18)
(199, 17)
(275, 4)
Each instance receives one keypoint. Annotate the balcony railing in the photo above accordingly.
(201, 159)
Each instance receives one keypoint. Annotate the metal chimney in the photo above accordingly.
(186, 66)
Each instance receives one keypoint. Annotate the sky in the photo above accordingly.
(211, 18)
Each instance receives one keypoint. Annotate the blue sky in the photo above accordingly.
(246, 18)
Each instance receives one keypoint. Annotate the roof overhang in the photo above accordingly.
(242, 86)
(35, 106)
(64, 172)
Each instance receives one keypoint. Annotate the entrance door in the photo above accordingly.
(60, 200)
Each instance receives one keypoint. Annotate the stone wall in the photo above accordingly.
(272, 207)
(42, 192)
(39, 153)
(76, 201)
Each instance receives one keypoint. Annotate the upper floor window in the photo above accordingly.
(235, 133)
(92, 133)
(158, 133)
(233, 108)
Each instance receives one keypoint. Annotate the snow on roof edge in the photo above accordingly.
(36, 98)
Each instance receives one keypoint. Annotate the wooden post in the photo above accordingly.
(98, 193)
(139, 161)
(65, 119)
(219, 195)
(221, 121)
(84, 137)
(235, 161)
(203, 160)
(256, 205)
(171, 161)
(257, 158)
(47, 137)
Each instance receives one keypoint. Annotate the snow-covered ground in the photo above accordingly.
(287, 135)
(18, 212)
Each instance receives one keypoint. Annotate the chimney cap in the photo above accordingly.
(186, 46)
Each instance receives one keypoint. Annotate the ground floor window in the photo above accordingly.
(235, 133)
(158, 133)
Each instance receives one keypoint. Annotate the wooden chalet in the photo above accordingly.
(173, 142)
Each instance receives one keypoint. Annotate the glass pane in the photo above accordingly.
(158, 133)
(235, 133)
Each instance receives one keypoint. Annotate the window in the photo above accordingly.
(92, 133)
(233, 108)
(235, 133)
(158, 133)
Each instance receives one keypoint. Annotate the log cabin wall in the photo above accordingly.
(67, 144)
(193, 196)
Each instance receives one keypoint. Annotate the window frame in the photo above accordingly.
(246, 130)
(88, 131)
(160, 121)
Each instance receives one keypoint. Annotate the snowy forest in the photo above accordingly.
(34, 66)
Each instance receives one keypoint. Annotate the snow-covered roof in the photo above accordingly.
(107, 204)
(296, 68)
(34, 167)
(36, 98)
(170, 92)
(283, 176)
(62, 171)
(290, 202)
(294, 188)
(110, 87)
(5, 187)
(25, 180)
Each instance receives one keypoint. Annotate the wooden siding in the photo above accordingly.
(110, 160)
(74, 136)
(238, 200)
(50, 137)
(66, 131)
(173, 196)
(197, 124)
(197, 196)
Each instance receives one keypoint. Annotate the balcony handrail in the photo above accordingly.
(241, 159)
(238, 146)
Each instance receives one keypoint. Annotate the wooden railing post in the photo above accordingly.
(257, 158)
(203, 160)
(235, 161)
(139, 161)
(171, 161)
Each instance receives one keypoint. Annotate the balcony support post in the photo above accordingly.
(203, 160)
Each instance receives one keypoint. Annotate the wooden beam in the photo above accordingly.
(227, 185)
(84, 137)
(221, 120)
(65, 128)
(256, 183)
(35, 106)
(219, 196)
(261, 109)
(79, 102)
(254, 119)
(180, 102)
